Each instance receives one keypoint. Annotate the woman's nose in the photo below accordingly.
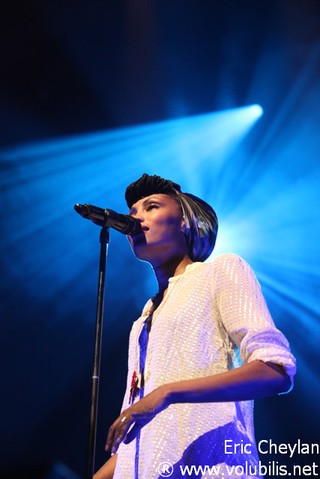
(138, 215)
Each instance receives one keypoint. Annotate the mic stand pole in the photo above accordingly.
(104, 241)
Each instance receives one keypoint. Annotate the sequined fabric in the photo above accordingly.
(213, 318)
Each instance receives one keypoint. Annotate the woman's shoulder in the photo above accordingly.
(226, 259)
(228, 264)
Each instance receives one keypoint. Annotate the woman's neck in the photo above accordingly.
(168, 269)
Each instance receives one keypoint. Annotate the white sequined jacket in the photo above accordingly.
(213, 318)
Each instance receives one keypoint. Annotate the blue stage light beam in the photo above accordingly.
(43, 181)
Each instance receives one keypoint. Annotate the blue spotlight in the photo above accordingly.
(254, 111)
(48, 178)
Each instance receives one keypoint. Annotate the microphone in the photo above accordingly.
(109, 218)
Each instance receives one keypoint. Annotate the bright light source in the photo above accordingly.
(255, 111)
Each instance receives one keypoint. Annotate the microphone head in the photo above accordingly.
(108, 218)
(133, 227)
(81, 209)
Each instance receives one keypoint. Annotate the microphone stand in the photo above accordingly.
(126, 225)
(104, 242)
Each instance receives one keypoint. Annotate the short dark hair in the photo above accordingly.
(201, 222)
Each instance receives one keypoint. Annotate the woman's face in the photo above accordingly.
(162, 228)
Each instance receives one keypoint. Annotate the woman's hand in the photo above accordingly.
(135, 417)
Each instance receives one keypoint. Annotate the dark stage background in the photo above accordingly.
(222, 97)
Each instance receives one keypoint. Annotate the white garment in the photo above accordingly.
(213, 318)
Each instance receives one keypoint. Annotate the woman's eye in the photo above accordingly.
(151, 206)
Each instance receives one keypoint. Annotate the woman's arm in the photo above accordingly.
(251, 381)
(107, 470)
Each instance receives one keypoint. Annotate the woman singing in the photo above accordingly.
(203, 349)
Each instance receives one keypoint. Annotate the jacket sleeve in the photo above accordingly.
(245, 315)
